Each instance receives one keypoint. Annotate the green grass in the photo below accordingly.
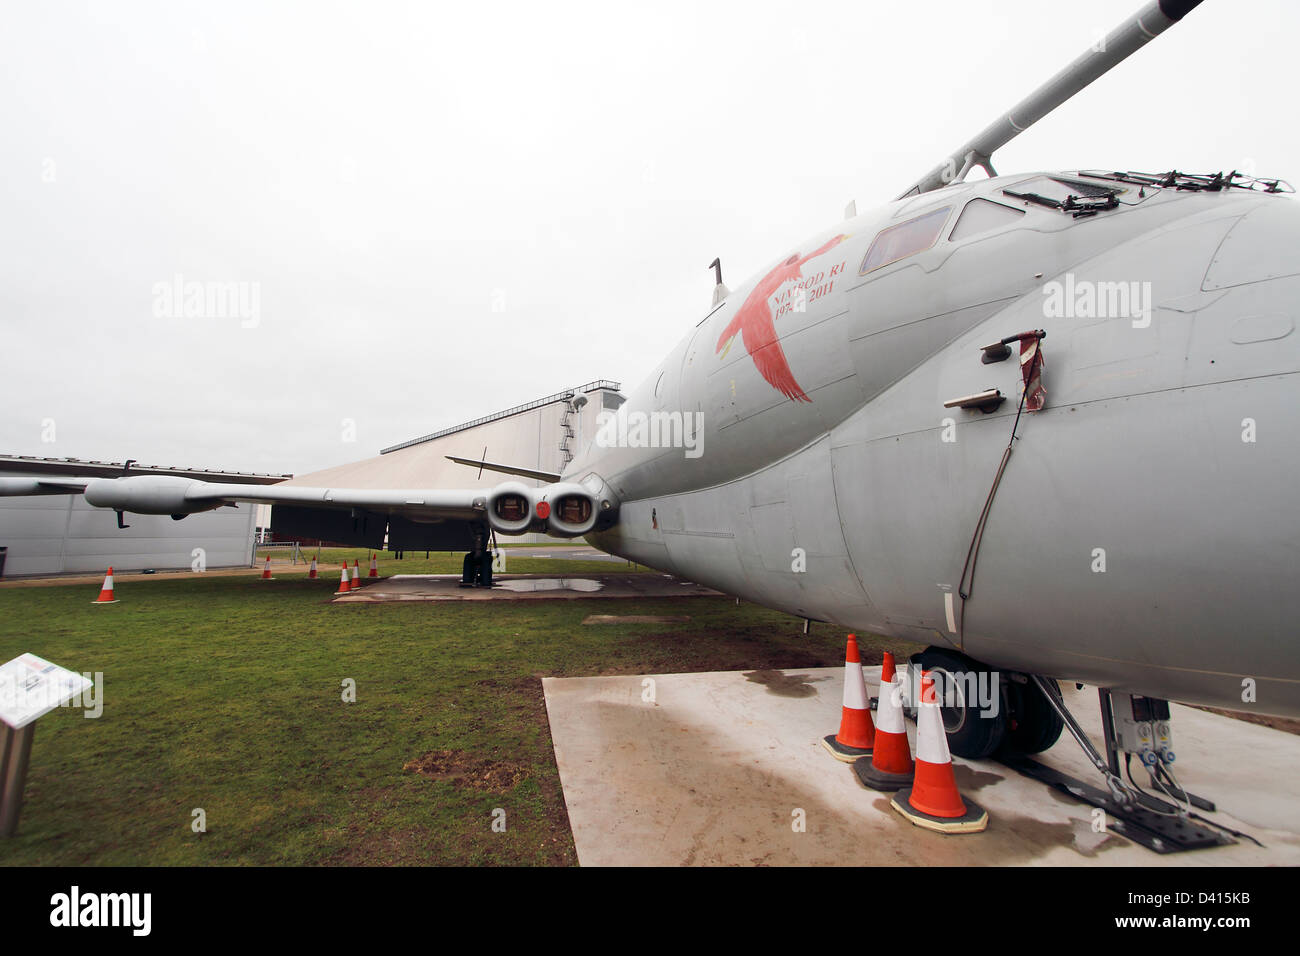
(225, 693)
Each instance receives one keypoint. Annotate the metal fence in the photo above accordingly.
(295, 552)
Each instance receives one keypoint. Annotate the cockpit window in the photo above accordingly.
(905, 239)
(983, 215)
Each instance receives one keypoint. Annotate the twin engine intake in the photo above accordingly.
(563, 509)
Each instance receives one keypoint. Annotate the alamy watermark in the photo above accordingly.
(1085, 299)
(190, 299)
(973, 690)
(624, 429)
(44, 695)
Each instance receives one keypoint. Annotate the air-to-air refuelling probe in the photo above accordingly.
(1081, 385)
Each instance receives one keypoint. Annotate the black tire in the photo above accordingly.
(1033, 725)
(973, 733)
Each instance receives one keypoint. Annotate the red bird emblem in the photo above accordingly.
(753, 320)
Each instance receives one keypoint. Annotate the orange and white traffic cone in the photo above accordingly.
(890, 766)
(106, 592)
(856, 734)
(344, 586)
(933, 801)
(311, 573)
(374, 566)
(266, 570)
(356, 574)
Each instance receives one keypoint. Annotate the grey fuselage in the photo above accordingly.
(1143, 537)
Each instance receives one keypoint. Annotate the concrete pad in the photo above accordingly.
(716, 768)
(522, 587)
(567, 553)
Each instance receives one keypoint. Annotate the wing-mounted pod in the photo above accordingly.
(147, 495)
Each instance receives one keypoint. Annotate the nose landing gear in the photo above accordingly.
(1008, 717)
(984, 711)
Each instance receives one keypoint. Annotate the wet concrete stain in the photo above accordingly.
(1065, 799)
(1035, 836)
(1076, 835)
(696, 804)
(968, 778)
(785, 685)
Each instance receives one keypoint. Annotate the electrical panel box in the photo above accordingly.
(1141, 727)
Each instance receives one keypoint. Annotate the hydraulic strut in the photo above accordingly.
(1120, 791)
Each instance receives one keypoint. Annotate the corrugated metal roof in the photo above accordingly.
(32, 464)
(518, 409)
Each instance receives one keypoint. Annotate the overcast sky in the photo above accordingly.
(444, 210)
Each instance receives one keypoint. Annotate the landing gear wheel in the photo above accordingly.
(1033, 725)
(975, 729)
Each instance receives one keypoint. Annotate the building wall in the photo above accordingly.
(57, 534)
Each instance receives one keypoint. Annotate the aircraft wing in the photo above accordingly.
(405, 518)
(166, 494)
(408, 518)
(43, 486)
(436, 503)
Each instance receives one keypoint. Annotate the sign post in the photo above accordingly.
(17, 751)
(30, 687)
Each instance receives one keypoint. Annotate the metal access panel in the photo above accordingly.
(363, 529)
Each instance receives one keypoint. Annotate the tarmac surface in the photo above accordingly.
(720, 768)
(523, 587)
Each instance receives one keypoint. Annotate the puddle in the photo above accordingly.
(550, 584)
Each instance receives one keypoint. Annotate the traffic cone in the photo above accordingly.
(856, 731)
(933, 801)
(266, 570)
(356, 574)
(374, 566)
(344, 587)
(311, 573)
(106, 592)
(890, 766)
